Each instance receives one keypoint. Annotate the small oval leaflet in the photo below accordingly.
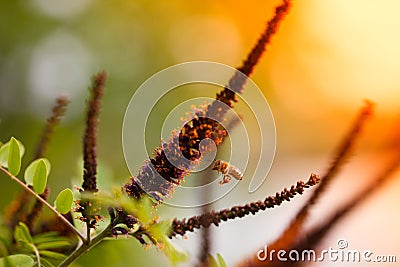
(22, 234)
(14, 157)
(4, 151)
(40, 177)
(19, 260)
(4, 154)
(64, 201)
(30, 170)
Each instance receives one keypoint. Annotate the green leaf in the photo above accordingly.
(30, 170)
(6, 262)
(221, 260)
(18, 260)
(212, 261)
(52, 255)
(64, 201)
(14, 157)
(48, 237)
(44, 237)
(21, 233)
(40, 177)
(4, 154)
(5, 243)
(4, 151)
(53, 245)
(47, 263)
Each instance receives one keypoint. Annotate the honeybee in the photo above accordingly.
(228, 171)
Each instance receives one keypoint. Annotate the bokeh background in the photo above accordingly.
(326, 58)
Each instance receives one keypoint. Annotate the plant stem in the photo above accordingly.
(85, 247)
(87, 232)
(34, 248)
(59, 215)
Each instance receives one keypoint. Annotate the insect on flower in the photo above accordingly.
(228, 171)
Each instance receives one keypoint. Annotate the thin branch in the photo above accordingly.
(342, 155)
(23, 199)
(290, 234)
(33, 193)
(180, 227)
(205, 245)
(314, 236)
(206, 237)
(85, 247)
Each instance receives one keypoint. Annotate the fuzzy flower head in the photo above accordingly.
(173, 160)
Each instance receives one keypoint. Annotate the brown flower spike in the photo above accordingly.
(200, 127)
(180, 227)
(88, 209)
(90, 137)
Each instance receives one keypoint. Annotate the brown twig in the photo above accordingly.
(312, 238)
(206, 237)
(33, 193)
(344, 150)
(205, 246)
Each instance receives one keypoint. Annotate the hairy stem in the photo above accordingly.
(33, 193)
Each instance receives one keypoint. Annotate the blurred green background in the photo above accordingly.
(323, 62)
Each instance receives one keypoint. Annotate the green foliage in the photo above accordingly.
(40, 245)
(141, 208)
(172, 252)
(4, 152)
(30, 170)
(21, 234)
(14, 157)
(212, 262)
(64, 201)
(40, 177)
(52, 255)
(219, 262)
(155, 231)
(48, 237)
(18, 260)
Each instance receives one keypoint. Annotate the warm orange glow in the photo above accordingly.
(341, 52)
